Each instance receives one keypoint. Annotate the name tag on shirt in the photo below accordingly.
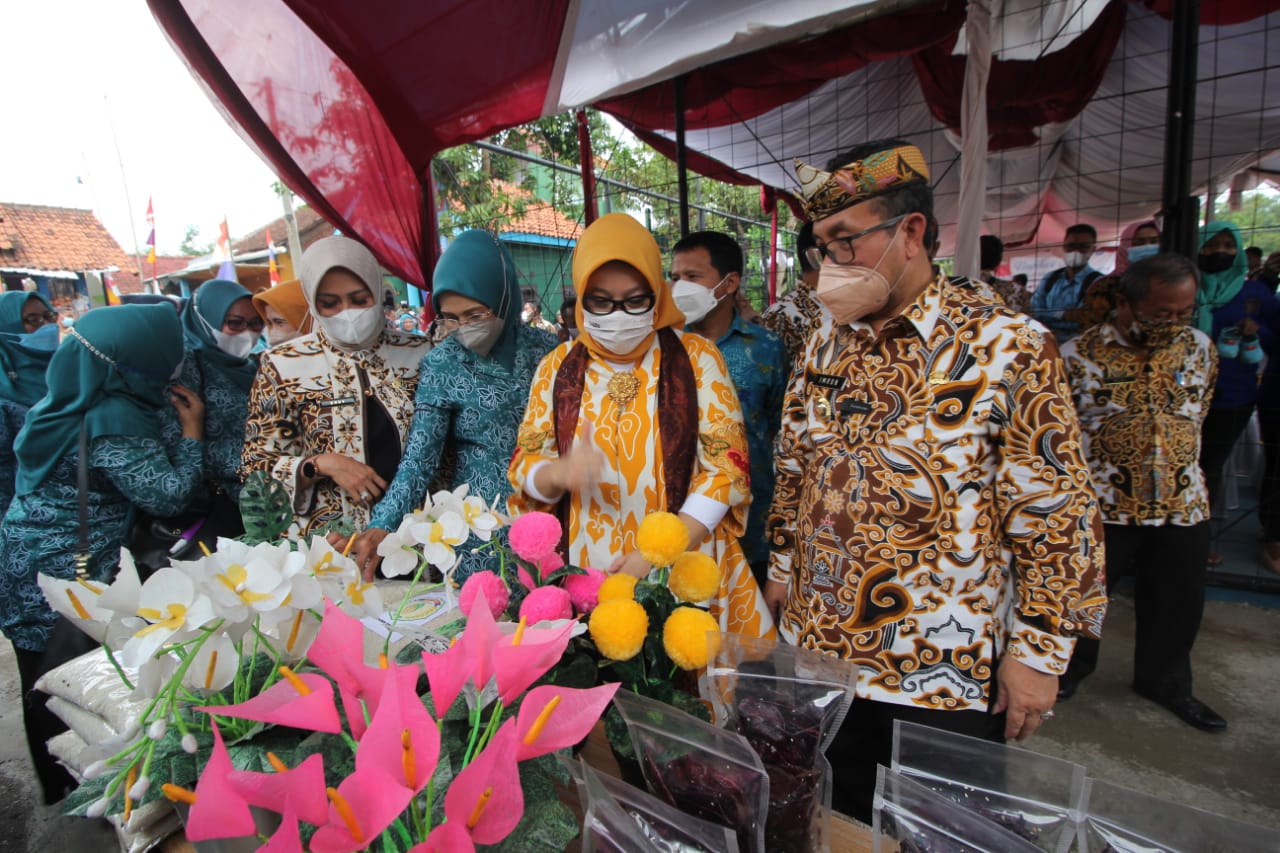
(826, 380)
(855, 407)
(341, 401)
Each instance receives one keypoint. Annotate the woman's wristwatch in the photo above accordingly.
(309, 468)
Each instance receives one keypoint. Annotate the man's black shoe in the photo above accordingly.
(1193, 712)
(1067, 689)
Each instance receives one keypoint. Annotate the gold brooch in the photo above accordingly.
(938, 377)
(623, 388)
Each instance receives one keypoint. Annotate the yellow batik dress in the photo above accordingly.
(623, 419)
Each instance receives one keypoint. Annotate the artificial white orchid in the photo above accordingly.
(213, 666)
(172, 608)
(397, 549)
(440, 537)
(480, 518)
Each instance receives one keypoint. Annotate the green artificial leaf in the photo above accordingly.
(691, 705)
(339, 760)
(575, 669)
(265, 507)
(615, 728)
(86, 795)
(562, 573)
(547, 824)
(658, 602)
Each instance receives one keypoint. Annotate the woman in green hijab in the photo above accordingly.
(28, 337)
(1243, 318)
(221, 328)
(106, 387)
(472, 389)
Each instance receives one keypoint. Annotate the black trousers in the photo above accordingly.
(1269, 498)
(1222, 429)
(866, 739)
(41, 724)
(1169, 564)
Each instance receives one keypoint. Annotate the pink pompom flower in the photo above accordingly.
(584, 589)
(496, 594)
(546, 603)
(535, 535)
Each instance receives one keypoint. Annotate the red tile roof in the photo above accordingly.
(127, 279)
(311, 227)
(56, 239)
(539, 217)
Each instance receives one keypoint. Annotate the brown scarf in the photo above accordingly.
(677, 418)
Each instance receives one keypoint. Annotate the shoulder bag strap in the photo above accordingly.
(82, 485)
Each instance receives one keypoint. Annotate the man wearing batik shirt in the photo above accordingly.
(794, 315)
(1142, 384)
(933, 519)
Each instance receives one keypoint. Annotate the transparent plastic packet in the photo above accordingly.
(664, 828)
(909, 817)
(788, 702)
(1036, 797)
(606, 826)
(1121, 820)
(700, 769)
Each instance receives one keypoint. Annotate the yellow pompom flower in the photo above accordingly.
(662, 537)
(619, 585)
(618, 628)
(687, 641)
(694, 577)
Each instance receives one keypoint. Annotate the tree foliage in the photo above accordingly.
(1258, 220)
(191, 244)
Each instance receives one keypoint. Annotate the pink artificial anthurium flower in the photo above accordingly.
(523, 658)
(469, 659)
(219, 812)
(366, 803)
(286, 839)
(554, 718)
(402, 739)
(485, 797)
(448, 837)
(300, 701)
(338, 650)
(300, 789)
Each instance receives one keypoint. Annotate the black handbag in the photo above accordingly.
(153, 541)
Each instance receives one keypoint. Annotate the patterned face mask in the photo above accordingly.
(1154, 334)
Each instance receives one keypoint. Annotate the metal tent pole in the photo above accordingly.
(682, 157)
(1181, 213)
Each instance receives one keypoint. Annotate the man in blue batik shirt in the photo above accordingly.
(706, 268)
(1056, 302)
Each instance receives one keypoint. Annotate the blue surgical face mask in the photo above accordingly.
(1138, 253)
(43, 339)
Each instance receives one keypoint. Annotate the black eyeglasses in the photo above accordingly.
(36, 320)
(840, 249)
(239, 324)
(599, 305)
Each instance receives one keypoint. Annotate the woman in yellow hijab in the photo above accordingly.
(284, 309)
(633, 417)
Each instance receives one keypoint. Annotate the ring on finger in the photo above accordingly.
(1047, 715)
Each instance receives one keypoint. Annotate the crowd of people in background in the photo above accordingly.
(913, 471)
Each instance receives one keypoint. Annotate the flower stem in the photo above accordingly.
(413, 582)
(115, 664)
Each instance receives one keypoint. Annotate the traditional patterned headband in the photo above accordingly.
(825, 193)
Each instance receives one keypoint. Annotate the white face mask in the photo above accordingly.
(238, 345)
(695, 301)
(480, 337)
(1076, 260)
(619, 332)
(281, 334)
(354, 327)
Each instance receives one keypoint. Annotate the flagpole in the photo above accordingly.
(133, 229)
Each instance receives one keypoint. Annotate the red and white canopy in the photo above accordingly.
(350, 101)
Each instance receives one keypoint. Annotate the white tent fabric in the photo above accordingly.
(615, 46)
(1104, 167)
